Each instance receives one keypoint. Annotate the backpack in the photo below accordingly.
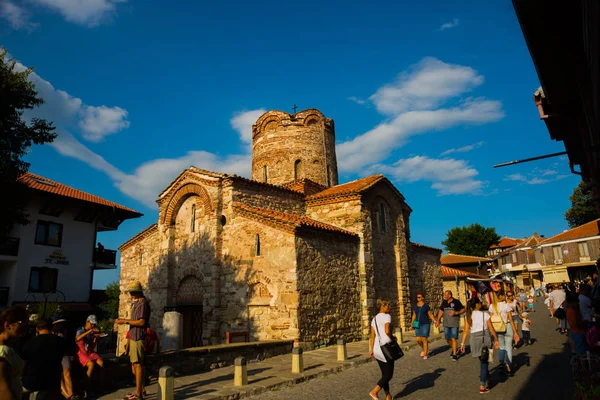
(497, 322)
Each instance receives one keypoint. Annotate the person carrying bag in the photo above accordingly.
(383, 348)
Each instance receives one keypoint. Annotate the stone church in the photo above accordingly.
(288, 254)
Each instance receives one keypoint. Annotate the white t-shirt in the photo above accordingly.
(479, 321)
(558, 296)
(585, 307)
(526, 324)
(503, 310)
(381, 319)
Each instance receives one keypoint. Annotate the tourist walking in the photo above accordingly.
(516, 309)
(59, 329)
(381, 333)
(555, 300)
(481, 331)
(526, 328)
(450, 310)
(14, 322)
(140, 318)
(585, 304)
(43, 355)
(86, 338)
(421, 323)
(501, 317)
(576, 325)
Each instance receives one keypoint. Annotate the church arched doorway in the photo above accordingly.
(189, 303)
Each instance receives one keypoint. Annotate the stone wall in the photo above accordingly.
(328, 288)
(286, 147)
(263, 196)
(259, 291)
(426, 274)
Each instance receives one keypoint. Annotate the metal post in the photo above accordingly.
(166, 383)
(297, 362)
(342, 354)
(398, 335)
(240, 372)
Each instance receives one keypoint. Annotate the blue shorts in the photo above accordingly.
(450, 332)
(579, 342)
(422, 330)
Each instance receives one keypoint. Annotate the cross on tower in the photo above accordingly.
(295, 108)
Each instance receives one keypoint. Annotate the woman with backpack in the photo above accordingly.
(481, 330)
(502, 319)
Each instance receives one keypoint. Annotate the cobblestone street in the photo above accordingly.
(542, 372)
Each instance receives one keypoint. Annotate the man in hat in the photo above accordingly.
(140, 317)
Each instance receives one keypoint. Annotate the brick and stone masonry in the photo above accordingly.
(288, 254)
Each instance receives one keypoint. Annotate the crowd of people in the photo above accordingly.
(38, 363)
(492, 321)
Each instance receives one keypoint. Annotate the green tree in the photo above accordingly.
(111, 306)
(472, 240)
(582, 209)
(17, 135)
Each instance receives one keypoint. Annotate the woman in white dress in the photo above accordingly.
(381, 333)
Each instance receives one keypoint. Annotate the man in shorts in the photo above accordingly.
(450, 310)
(140, 317)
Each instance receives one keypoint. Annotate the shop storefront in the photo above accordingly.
(556, 274)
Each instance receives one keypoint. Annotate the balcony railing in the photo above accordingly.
(9, 246)
(105, 257)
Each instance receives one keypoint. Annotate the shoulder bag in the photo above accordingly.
(485, 351)
(391, 351)
(416, 323)
(497, 322)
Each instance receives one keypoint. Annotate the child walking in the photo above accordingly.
(525, 328)
(530, 303)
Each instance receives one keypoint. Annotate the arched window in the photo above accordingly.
(193, 219)
(382, 217)
(265, 173)
(141, 256)
(257, 245)
(328, 176)
(297, 169)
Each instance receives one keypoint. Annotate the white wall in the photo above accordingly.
(74, 279)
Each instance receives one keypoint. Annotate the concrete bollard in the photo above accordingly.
(166, 383)
(240, 372)
(297, 362)
(398, 335)
(342, 354)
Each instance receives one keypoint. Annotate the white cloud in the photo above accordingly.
(430, 83)
(448, 176)
(16, 16)
(536, 177)
(376, 144)
(463, 149)
(549, 172)
(357, 100)
(449, 25)
(98, 122)
(242, 123)
(83, 12)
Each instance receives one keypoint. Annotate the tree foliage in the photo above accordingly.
(582, 209)
(17, 135)
(111, 306)
(472, 240)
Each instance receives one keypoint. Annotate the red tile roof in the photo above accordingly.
(350, 188)
(38, 182)
(305, 186)
(506, 242)
(289, 222)
(583, 231)
(448, 272)
(461, 259)
(530, 242)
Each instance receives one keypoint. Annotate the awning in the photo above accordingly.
(556, 274)
(530, 267)
(580, 264)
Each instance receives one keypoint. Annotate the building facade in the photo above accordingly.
(54, 256)
(289, 253)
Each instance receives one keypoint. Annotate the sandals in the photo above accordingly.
(133, 396)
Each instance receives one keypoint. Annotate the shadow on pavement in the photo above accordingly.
(439, 350)
(552, 378)
(424, 381)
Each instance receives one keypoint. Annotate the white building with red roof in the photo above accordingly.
(54, 256)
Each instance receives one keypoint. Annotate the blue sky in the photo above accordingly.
(431, 95)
